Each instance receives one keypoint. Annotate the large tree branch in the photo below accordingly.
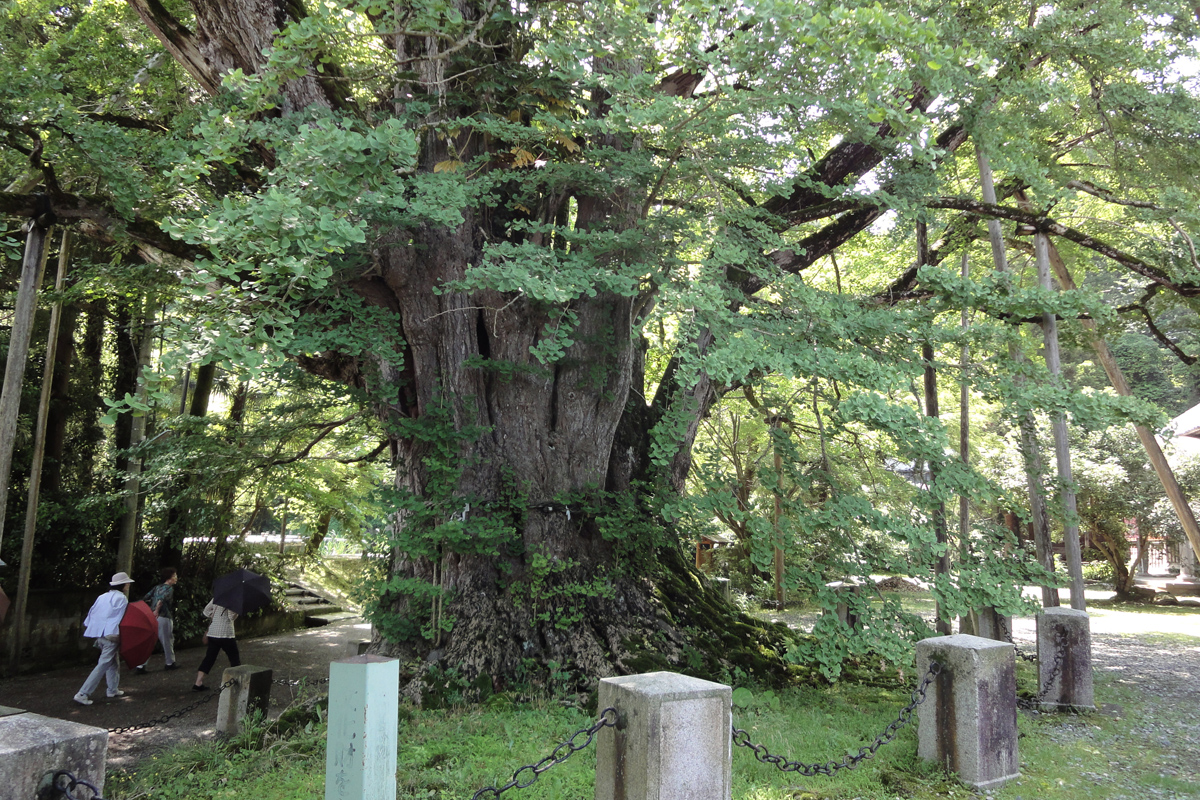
(179, 41)
(70, 207)
(849, 159)
(1160, 336)
(1049, 225)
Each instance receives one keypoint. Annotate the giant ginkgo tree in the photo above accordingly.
(476, 209)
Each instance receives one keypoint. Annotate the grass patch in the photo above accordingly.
(453, 753)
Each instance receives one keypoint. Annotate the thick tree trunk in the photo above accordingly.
(520, 538)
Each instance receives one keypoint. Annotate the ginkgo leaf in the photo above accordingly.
(522, 157)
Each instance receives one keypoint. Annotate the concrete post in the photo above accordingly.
(987, 623)
(250, 691)
(32, 745)
(360, 751)
(672, 740)
(1064, 643)
(968, 721)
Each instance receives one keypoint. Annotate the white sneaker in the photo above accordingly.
(82, 699)
(117, 693)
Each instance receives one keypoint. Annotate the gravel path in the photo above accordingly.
(1154, 656)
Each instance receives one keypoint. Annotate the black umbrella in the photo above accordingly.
(242, 591)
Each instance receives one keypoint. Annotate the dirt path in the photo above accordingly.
(292, 655)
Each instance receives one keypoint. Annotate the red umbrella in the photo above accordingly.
(139, 632)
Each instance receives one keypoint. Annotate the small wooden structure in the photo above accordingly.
(707, 544)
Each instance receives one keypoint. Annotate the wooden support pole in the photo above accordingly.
(1158, 461)
(778, 572)
(39, 453)
(1062, 447)
(1030, 451)
(32, 267)
(964, 420)
(931, 410)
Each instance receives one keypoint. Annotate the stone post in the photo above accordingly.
(968, 722)
(250, 691)
(1064, 643)
(844, 590)
(723, 587)
(360, 749)
(987, 623)
(672, 740)
(32, 746)
(1186, 583)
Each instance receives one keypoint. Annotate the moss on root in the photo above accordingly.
(711, 639)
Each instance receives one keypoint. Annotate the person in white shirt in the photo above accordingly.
(103, 624)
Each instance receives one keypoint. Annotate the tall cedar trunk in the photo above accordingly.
(61, 408)
(170, 545)
(90, 374)
(125, 350)
(237, 414)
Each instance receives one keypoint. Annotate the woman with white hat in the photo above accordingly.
(103, 624)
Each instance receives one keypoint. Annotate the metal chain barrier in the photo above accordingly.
(742, 739)
(607, 719)
(64, 784)
(1008, 637)
(208, 698)
(1055, 669)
